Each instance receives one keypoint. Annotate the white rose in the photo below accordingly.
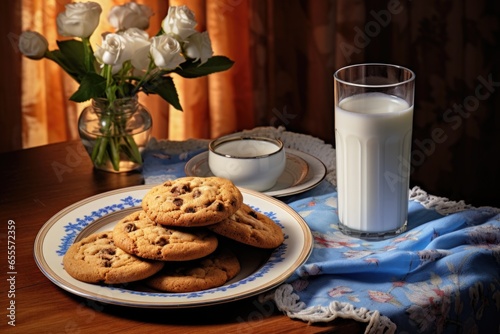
(180, 21)
(111, 51)
(136, 48)
(198, 47)
(166, 52)
(130, 15)
(79, 20)
(33, 45)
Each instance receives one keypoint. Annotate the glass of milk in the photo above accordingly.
(373, 129)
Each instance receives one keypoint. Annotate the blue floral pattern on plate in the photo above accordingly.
(72, 229)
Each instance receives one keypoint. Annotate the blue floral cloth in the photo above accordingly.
(441, 276)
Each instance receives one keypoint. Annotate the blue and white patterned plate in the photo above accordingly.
(261, 270)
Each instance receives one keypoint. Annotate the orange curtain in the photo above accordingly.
(218, 104)
(45, 105)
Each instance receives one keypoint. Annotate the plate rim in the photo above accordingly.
(296, 189)
(55, 278)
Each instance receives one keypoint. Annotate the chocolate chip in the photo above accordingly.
(180, 190)
(196, 193)
(220, 207)
(109, 251)
(190, 210)
(106, 264)
(253, 214)
(161, 241)
(178, 201)
(130, 227)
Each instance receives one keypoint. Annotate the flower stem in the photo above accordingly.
(88, 55)
(115, 153)
(144, 78)
(100, 150)
(135, 155)
(110, 87)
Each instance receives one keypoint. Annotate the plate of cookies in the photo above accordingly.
(188, 242)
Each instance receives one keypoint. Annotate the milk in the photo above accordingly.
(373, 138)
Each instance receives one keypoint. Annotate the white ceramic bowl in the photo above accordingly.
(250, 162)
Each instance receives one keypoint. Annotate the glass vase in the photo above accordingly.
(115, 133)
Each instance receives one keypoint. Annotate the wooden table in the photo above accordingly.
(39, 182)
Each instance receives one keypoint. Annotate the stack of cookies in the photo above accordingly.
(172, 244)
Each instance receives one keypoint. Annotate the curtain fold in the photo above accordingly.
(45, 89)
(194, 120)
(230, 94)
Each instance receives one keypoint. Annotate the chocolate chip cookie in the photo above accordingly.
(192, 201)
(96, 259)
(250, 227)
(207, 273)
(137, 234)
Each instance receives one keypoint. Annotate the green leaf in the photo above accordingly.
(92, 86)
(125, 89)
(57, 57)
(191, 69)
(165, 87)
(72, 54)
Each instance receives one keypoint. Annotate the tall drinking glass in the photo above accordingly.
(373, 129)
